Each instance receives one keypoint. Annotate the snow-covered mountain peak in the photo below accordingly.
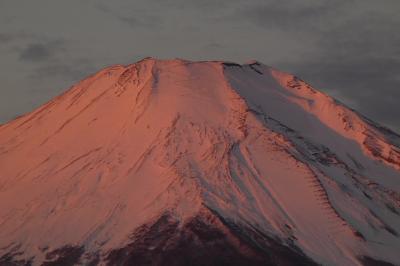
(215, 160)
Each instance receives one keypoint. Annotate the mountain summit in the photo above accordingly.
(173, 162)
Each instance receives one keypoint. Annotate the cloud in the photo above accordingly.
(135, 21)
(134, 16)
(285, 15)
(39, 52)
(13, 37)
(5, 38)
(51, 59)
(213, 45)
(70, 72)
(204, 5)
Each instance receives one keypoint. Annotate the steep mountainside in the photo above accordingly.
(172, 162)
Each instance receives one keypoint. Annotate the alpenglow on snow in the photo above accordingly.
(173, 162)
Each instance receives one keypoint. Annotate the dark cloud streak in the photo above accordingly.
(293, 15)
(35, 52)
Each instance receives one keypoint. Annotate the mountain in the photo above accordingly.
(173, 162)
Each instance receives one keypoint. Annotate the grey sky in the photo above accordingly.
(347, 48)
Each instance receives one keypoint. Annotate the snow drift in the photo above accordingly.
(172, 162)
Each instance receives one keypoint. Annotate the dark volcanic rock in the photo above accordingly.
(65, 256)
(368, 261)
(204, 240)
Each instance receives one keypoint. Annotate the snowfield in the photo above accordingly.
(173, 162)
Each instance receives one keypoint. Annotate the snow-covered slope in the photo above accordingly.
(172, 162)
